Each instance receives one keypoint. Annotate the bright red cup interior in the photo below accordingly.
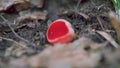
(57, 29)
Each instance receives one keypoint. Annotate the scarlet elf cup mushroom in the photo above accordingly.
(60, 31)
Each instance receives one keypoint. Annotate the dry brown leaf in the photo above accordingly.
(10, 6)
(31, 25)
(79, 54)
(108, 38)
(37, 3)
(115, 23)
(37, 15)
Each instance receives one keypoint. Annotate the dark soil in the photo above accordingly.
(84, 17)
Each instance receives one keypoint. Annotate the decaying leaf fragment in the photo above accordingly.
(108, 38)
(37, 15)
(37, 3)
(79, 54)
(10, 6)
(115, 23)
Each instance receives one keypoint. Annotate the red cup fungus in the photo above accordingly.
(60, 31)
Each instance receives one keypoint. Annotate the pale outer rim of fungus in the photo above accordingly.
(70, 30)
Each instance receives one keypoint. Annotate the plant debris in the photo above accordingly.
(10, 6)
(37, 3)
(37, 15)
(108, 38)
(115, 23)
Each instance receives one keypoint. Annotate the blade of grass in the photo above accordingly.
(117, 6)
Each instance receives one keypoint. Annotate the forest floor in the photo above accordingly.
(28, 37)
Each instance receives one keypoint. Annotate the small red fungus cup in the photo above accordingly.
(60, 31)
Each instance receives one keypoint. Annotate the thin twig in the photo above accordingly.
(100, 23)
(76, 8)
(7, 22)
(100, 6)
(13, 41)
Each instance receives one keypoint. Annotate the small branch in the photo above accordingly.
(76, 8)
(7, 22)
